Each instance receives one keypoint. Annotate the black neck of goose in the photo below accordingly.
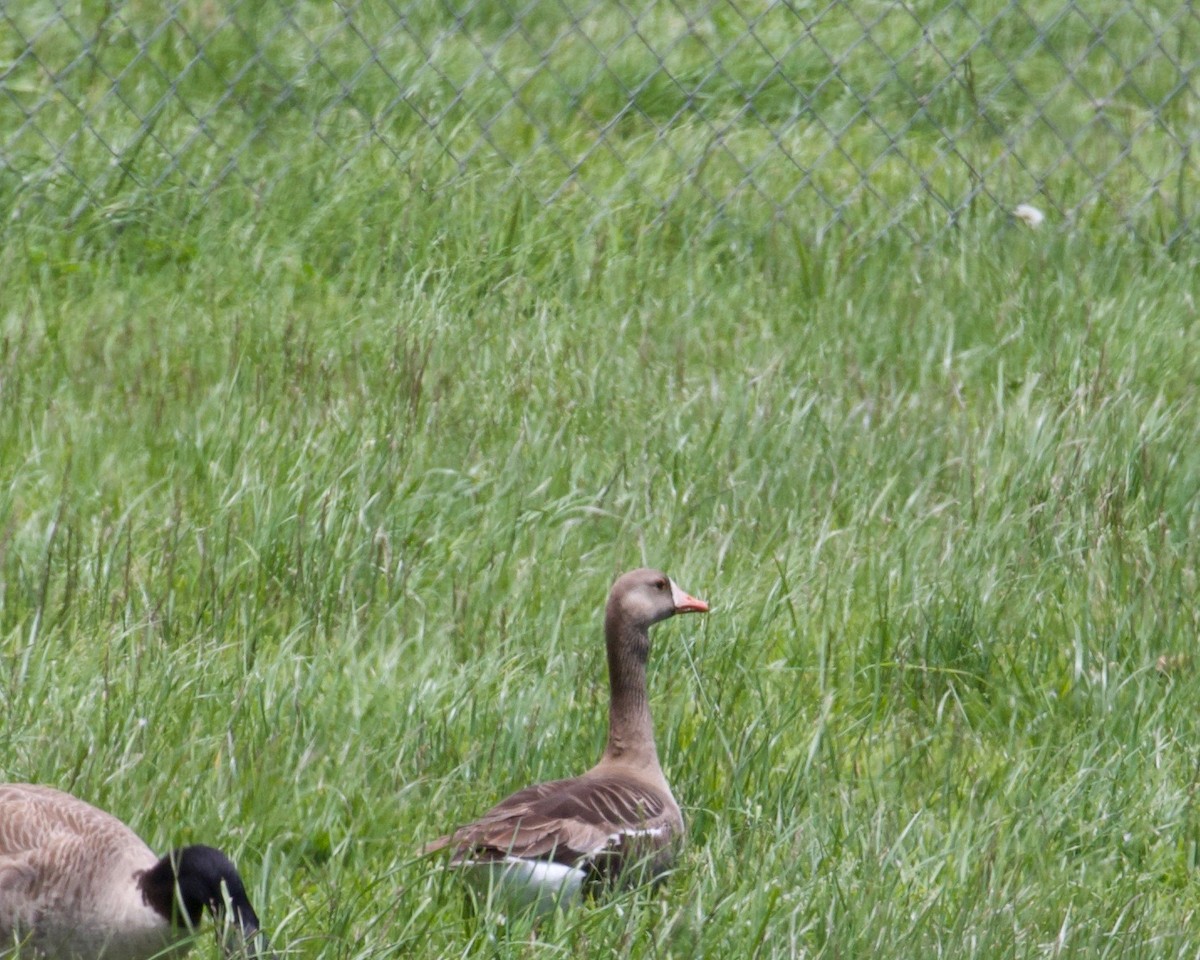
(630, 728)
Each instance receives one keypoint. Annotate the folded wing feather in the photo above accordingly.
(574, 822)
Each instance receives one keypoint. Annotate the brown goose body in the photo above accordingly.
(545, 844)
(77, 884)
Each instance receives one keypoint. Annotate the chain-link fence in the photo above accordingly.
(855, 116)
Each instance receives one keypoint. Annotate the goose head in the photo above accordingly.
(190, 880)
(645, 596)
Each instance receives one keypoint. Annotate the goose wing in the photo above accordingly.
(42, 835)
(576, 821)
(46, 831)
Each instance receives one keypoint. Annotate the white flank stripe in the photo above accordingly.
(646, 832)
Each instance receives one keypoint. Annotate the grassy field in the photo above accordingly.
(312, 495)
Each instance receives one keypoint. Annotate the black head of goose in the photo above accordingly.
(77, 884)
(544, 845)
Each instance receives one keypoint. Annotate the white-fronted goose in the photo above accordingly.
(77, 884)
(545, 844)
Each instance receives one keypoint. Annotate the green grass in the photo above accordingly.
(314, 489)
(844, 117)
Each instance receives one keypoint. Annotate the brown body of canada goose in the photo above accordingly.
(545, 844)
(77, 884)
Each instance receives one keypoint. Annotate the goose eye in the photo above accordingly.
(660, 584)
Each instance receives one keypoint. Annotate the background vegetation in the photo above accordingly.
(313, 491)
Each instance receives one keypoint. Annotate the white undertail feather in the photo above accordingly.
(516, 885)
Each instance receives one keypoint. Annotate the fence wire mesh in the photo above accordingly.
(853, 116)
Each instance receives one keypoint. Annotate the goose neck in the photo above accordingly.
(630, 727)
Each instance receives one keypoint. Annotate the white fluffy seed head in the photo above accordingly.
(1029, 215)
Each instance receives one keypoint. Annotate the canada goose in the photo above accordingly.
(543, 845)
(77, 884)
